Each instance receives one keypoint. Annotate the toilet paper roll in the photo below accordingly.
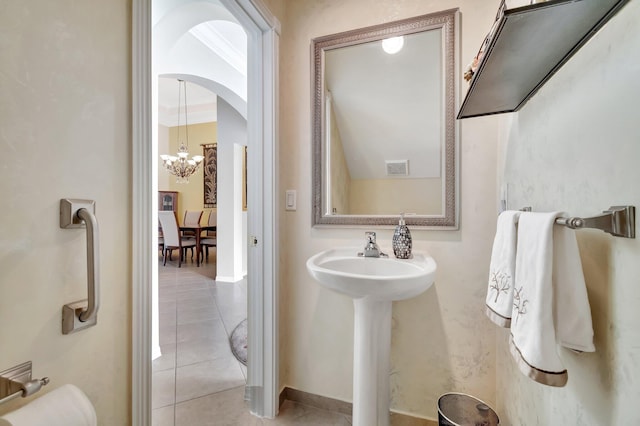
(65, 406)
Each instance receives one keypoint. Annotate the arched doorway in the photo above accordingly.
(262, 31)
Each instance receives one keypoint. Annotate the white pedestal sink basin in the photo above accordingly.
(373, 283)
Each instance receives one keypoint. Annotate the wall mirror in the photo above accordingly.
(384, 128)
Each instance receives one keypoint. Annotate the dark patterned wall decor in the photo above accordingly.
(210, 174)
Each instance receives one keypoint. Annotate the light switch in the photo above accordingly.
(290, 199)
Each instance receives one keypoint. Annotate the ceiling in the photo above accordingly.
(201, 103)
(226, 40)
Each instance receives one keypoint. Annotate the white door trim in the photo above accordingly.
(142, 264)
(263, 29)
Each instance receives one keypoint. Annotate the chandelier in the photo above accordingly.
(181, 166)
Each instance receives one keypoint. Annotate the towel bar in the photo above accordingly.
(619, 221)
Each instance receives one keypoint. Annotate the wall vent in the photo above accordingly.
(397, 167)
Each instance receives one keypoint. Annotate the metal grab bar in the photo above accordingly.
(83, 313)
(93, 282)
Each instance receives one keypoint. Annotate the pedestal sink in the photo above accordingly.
(373, 283)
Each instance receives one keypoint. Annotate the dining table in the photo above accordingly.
(197, 229)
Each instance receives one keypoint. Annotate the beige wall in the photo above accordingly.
(191, 194)
(395, 196)
(377, 196)
(65, 121)
(340, 177)
(441, 340)
(164, 178)
(575, 147)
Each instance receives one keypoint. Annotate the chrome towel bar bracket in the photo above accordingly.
(83, 313)
(619, 221)
(17, 381)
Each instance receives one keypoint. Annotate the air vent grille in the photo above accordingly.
(397, 167)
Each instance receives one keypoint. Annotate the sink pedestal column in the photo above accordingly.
(371, 365)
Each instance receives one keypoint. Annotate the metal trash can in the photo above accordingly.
(459, 409)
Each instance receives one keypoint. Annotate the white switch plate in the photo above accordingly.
(290, 202)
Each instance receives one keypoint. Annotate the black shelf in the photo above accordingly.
(530, 44)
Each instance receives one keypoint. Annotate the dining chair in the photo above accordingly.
(191, 218)
(172, 238)
(210, 239)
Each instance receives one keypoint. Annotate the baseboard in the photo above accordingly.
(228, 279)
(338, 406)
(317, 401)
(156, 352)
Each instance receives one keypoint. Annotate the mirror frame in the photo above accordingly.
(448, 22)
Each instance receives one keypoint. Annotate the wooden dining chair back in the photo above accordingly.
(160, 239)
(172, 238)
(213, 221)
(192, 217)
(210, 239)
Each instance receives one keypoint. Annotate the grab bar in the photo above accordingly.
(619, 221)
(92, 265)
(83, 313)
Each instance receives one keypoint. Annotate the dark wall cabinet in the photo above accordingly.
(530, 44)
(168, 201)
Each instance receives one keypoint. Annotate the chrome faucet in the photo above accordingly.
(371, 248)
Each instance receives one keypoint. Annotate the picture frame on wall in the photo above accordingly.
(168, 200)
(210, 167)
(210, 176)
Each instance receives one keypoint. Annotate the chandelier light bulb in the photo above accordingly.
(393, 45)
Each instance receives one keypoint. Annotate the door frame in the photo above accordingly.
(263, 31)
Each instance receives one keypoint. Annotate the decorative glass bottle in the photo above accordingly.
(402, 240)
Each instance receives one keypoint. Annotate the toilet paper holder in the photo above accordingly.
(17, 381)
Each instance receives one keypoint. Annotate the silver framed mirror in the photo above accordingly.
(385, 137)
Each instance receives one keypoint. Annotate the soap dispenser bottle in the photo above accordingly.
(402, 240)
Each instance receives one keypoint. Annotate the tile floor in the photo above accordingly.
(197, 380)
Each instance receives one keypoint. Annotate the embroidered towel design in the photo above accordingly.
(499, 299)
(551, 305)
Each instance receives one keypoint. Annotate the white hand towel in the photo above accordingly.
(548, 275)
(499, 302)
(64, 406)
(572, 312)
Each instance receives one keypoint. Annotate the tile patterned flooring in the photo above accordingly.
(197, 380)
